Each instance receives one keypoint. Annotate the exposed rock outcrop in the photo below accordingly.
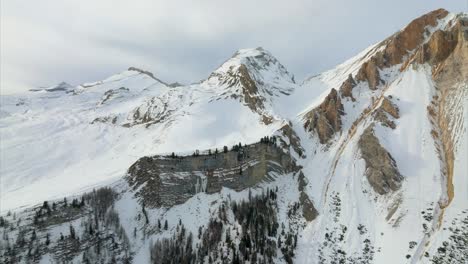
(450, 73)
(347, 86)
(255, 77)
(294, 140)
(250, 90)
(398, 47)
(325, 120)
(152, 111)
(411, 37)
(439, 47)
(113, 94)
(308, 210)
(165, 181)
(386, 112)
(390, 108)
(381, 170)
(369, 72)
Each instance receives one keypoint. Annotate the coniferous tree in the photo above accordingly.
(72, 232)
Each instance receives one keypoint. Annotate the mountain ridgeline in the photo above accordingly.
(364, 163)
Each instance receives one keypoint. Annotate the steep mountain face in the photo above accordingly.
(256, 77)
(364, 163)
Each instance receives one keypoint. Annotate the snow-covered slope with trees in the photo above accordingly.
(364, 163)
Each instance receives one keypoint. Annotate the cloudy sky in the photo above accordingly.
(48, 41)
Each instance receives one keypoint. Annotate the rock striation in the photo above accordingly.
(162, 181)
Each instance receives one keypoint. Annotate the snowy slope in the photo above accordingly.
(65, 140)
(38, 129)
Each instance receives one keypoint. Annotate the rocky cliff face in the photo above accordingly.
(165, 181)
(411, 37)
(346, 88)
(244, 76)
(325, 120)
(399, 47)
(447, 54)
(381, 170)
(370, 72)
(386, 112)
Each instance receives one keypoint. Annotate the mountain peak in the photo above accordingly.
(258, 62)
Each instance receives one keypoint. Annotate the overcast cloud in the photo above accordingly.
(48, 41)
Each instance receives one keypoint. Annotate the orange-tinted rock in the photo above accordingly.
(398, 46)
(410, 37)
(382, 114)
(369, 72)
(346, 88)
(390, 108)
(439, 47)
(325, 120)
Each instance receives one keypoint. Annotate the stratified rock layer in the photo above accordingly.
(165, 181)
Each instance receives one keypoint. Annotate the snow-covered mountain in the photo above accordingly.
(364, 163)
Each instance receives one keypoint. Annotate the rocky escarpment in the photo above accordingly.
(308, 210)
(369, 72)
(381, 170)
(410, 37)
(447, 54)
(386, 111)
(325, 120)
(346, 88)
(398, 47)
(250, 90)
(291, 140)
(162, 181)
(255, 77)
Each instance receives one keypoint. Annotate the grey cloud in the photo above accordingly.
(45, 42)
